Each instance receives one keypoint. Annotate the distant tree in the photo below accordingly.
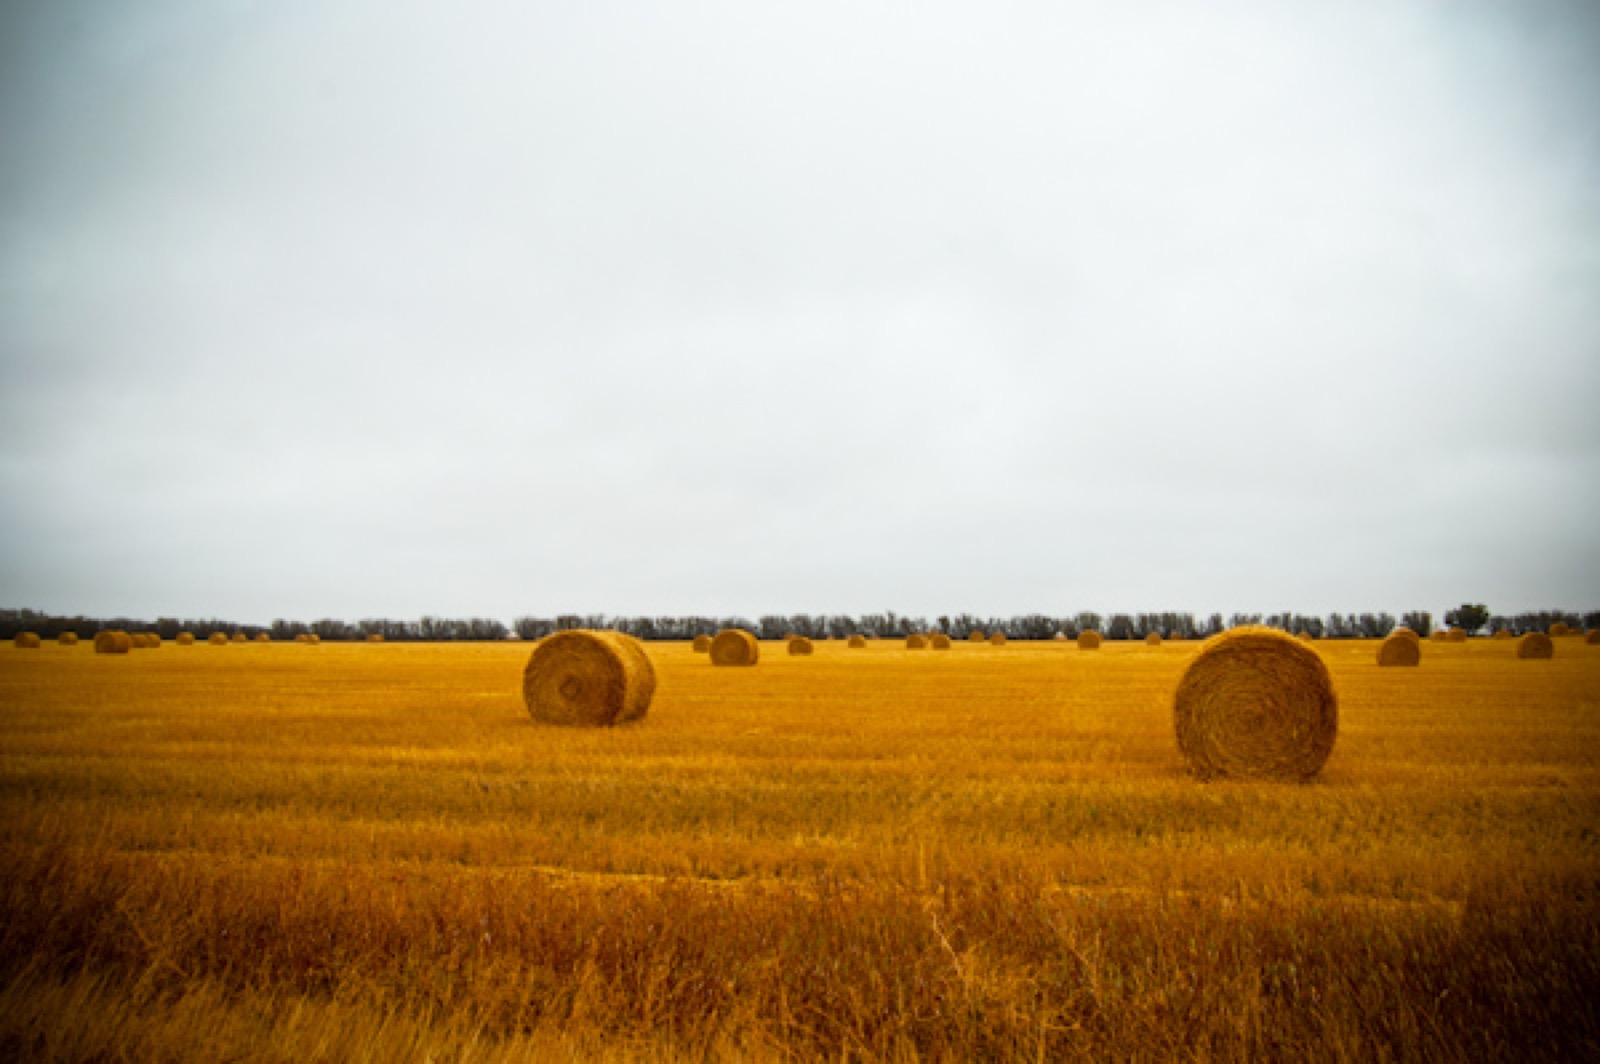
(1467, 616)
(1419, 621)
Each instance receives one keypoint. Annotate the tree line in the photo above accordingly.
(886, 625)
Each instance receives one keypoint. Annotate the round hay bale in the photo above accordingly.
(800, 645)
(1504, 633)
(68, 639)
(152, 641)
(27, 640)
(1256, 704)
(1398, 650)
(1089, 640)
(1592, 636)
(939, 641)
(857, 642)
(735, 646)
(997, 639)
(702, 644)
(218, 639)
(186, 639)
(1174, 636)
(1535, 645)
(112, 641)
(240, 637)
(301, 637)
(1438, 635)
(1456, 635)
(263, 637)
(1405, 633)
(976, 636)
(1560, 628)
(916, 641)
(588, 678)
(375, 637)
(313, 639)
(1153, 639)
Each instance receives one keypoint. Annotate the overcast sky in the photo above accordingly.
(383, 309)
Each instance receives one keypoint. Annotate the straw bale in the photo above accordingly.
(112, 641)
(916, 641)
(702, 644)
(939, 641)
(588, 678)
(263, 637)
(1438, 635)
(313, 639)
(857, 641)
(1153, 639)
(800, 645)
(1535, 645)
(1504, 633)
(375, 637)
(1560, 628)
(240, 637)
(1403, 632)
(27, 640)
(1088, 640)
(976, 636)
(68, 639)
(1398, 650)
(1592, 636)
(997, 639)
(1456, 635)
(217, 639)
(185, 639)
(735, 646)
(1256, 704)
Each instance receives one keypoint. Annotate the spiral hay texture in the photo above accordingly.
(702, 644)
(916, 641)
(857, 642)
(1399, 650)
(800, 645)
(1088, 640)
(1535, 646)
(27, 640)
(588, 678)
(939, 641)
(1256, 704)
(112, 641)
(735, 646)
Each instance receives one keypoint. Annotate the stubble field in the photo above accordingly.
(287, 852)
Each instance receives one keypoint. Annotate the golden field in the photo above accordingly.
(370, 852)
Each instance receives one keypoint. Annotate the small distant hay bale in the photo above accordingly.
(240, 637)
(916, 641)
(218, 639)
(1438, 635)
(27, 640)
(800, 645)
(301, 637)
(1397, 649)
(593, 678)
(1153, 639)
(263, 637)
(313, 639)
(939, 641)
(68, 639)
(702, 644)
(1535, 645)
(186, 639)
(857, 641)
(1504, 633)
(1456, 635)
(374, 637)
(152, 641)
(1256, 704)
(112, 641)
(997, 639)
(1560, 628)
(735, 646)
(1060, 637)
(1089, 640)
(976, 636)
(1174, 636)
(1592, 636)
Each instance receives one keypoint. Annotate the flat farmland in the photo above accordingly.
(370, 851)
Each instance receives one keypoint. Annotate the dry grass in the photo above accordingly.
(874, 855)
(1256, 703)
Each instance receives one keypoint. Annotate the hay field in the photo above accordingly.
(370, 851)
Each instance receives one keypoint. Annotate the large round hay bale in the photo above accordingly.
(1535, 645)
(735, 646)
(702, 644)
(1153, 639)
(976, 636)
(186, 639)
(27, 640)
(585, 677)
(939, 641)
(68, 639)
(800, 645)
(1405, 633)
(857, 641)
(1398, 650)
(997, 639)
(1456, 635)
(217, 639)
(1089, 640)
(916, 641)
(1560, 628)
(1256, 704)
(112, 641)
